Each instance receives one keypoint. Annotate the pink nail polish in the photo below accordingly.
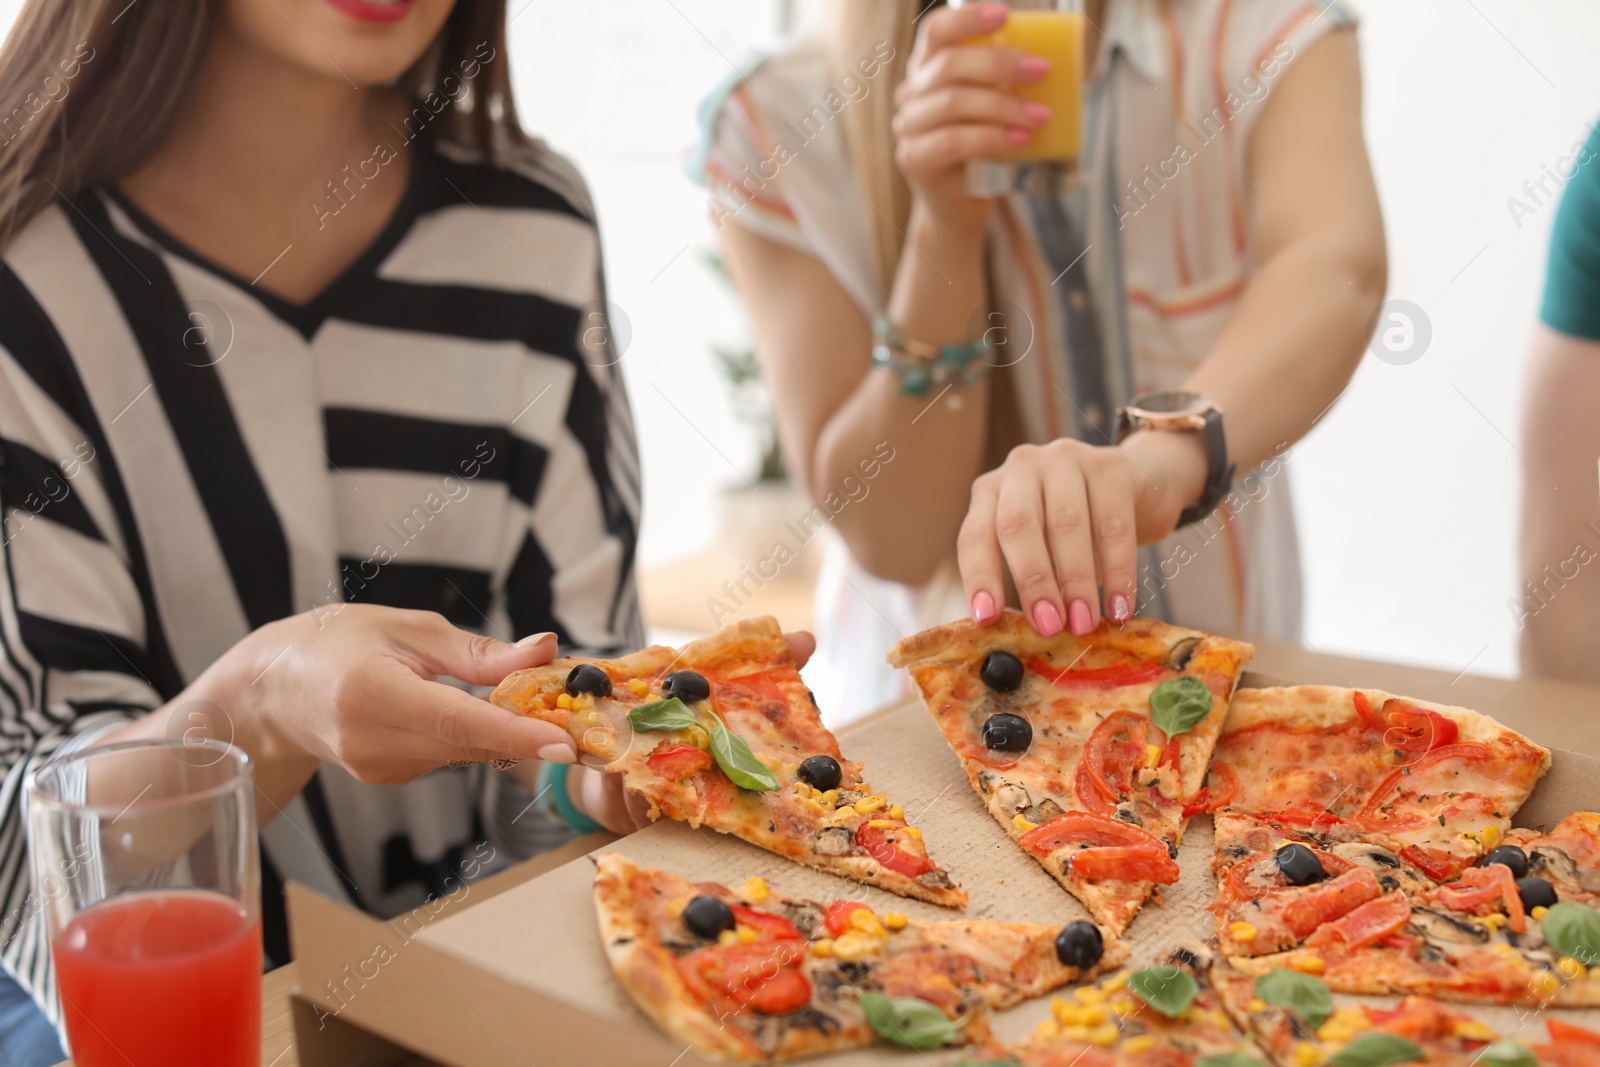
(1036, 113)
(1017, 135)
(983, 611)
(1120, 611)
(995, 14)
(1035, 66)
(1046, 619)
(1082, 619)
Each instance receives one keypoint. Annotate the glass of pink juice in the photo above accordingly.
(145, 861)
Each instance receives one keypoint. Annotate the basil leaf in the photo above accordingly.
(1507, 1054)
(1376, 1050)
(1306, 996)
(1165, 988)
(908, 1021)
(1573, 930)
(1178, 703)
(1228, 1059)
(668, 714)
(737, 761)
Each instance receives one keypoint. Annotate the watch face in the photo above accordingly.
(1174, 403)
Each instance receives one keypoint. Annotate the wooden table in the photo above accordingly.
(1577, 707)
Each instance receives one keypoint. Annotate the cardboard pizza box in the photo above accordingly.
(522, 978)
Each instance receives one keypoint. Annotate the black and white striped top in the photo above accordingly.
(187, 457)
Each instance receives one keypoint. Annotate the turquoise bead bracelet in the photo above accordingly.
(922, 366)
(554, 779)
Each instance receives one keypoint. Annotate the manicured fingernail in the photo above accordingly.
(557, 754)
(994, 14)
(983, 611)
(1017, 135)
(1120, 611)
(1035, 66)
(1036, 113)
(1081, 617)
(533, 639)
(1046, 619)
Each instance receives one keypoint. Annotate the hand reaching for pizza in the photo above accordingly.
(1068, 517)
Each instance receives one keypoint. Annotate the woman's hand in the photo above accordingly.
(1068, 516)
(952, 107)
(355, 685)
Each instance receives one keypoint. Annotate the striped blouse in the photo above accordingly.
(185, 457)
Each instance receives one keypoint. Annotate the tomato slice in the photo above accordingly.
(1114, 751)
(1222, 788)
(837, 918)
(1468, 750)
(1365, 925)
(1235, 884)
(1562, 1033)
(895, 849)
(1106, 848)
(1330, 900)
(1485, 887)
(1088, 791)
(1097, 677)
(1432, 862)
(760, 975)
(768, 927)
(1307, 813)
(676, 761)
(1406, 727)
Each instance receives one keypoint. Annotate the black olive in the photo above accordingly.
(1300, 865)
(1001, 671)
(1006, 732)
(687, 686)
(706, 917)
(1536, 892)
(587, 678)
(820, 772)
(1508, 856)
(1080, 945)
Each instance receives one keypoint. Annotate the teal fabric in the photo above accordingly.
(1572, 281)
(555, 780)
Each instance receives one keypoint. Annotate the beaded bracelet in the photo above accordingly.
(922, 366)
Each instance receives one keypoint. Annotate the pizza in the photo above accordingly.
(1294, 1020)
(1567, 859)
(724, 733)
(1063, 739)
(751, 975)
(1165, 1015)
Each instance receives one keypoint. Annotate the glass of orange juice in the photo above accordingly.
(1053, 30)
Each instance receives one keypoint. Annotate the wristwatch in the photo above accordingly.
(1185, 413)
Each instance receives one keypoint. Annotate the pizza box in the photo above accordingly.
(522, 978)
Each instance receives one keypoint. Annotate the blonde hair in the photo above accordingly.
(853, 29)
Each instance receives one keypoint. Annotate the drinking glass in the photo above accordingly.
(1054, 30)
(145, 863)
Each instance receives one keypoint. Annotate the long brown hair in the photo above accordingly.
(88, 90)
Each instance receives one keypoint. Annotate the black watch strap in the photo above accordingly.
(1219, 472)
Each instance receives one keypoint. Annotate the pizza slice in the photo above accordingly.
(1294, 1020)
(1440, 782)
(1563, 864)
(723, 733)
(752, 975)
(1090, 751)
(1166, 1014)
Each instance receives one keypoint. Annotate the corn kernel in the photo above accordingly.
(1473, 1030)
(868, 805)
(1241, 931)
(830, 797)
(1570, 969)
(1076, 1033)
(1539, 912)
(1334, 1031)
(582, 702)
(1544, 984)
(1046, 1031)
(1152, 756)
(638, 686)
(1503, 948)
(1494, 920)
(1105, 1035)
(698, 737)
(1064, 1011)
(1305, 1054)
(1124, 1005)
(1490, 836)
(822, 949)
(879, 824)
(1088, 994)
(1022, 823)
(895, 920)
(675, 908)
(1116, 982)
(1256, 1004)
(853, 946)
(1308, 964)
(867, 922)
(728, 937)
(912, 831)
(1138, 1043)
(755, 889)
(896, 812)
(564, 701)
